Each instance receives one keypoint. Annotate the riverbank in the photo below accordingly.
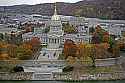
(111, 70)
(63, 76)
(112, 81)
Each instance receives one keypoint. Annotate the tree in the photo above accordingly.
(121, 43)
(12, 50)
(26, 45)
(116, 50)
(70, 48)
(4, 56)
(100, 36)
(96, 38)
(71, 60)
(83, 55)
(24, 54)
(105, 38)
(82, 51)
(1, 36)
(69, 28)
(91, 30)
(98, 29)
(46, 30)
(35, 43)
(101, 51)
(91, 53)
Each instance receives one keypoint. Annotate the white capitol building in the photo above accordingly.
(56, 37)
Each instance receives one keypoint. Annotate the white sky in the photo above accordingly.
(31, 2)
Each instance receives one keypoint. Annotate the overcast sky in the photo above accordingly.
(31, 2)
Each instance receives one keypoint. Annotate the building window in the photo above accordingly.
(58, 40)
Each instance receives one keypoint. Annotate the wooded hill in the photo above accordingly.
(105, 9)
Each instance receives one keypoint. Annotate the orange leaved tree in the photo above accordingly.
(70, 48)
(35, 43)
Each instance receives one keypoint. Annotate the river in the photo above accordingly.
(118, 81)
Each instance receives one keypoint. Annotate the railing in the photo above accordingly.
(42, 76)
(96, 76)
(16, 76)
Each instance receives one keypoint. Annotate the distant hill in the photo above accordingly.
(105, 9)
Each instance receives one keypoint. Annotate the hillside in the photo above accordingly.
(105, 9)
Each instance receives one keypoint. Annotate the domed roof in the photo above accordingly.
(55, 17)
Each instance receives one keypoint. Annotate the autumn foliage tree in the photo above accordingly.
(100, 36)
(4, 56)
(70, 48)
(88, 52)
(35, 43)
(101, 51)
(121, 43)
(103, 46)
(26, 45)
(3, 51)
(24, 53)
(12, 50)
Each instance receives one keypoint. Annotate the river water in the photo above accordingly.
(118, 81)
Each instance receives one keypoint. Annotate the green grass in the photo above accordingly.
(6, 67)
(92, 70)
(61, 57)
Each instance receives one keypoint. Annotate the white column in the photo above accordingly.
(49, 40)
